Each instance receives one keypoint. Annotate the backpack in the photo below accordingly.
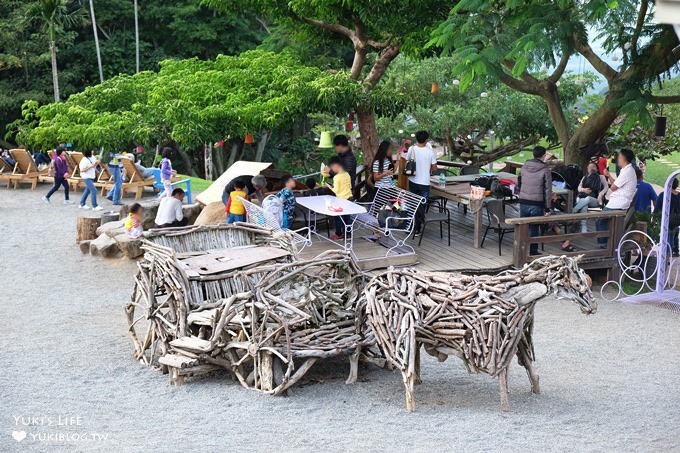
(273, 208)
(484, 181)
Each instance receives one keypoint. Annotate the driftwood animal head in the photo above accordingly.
(564, 279)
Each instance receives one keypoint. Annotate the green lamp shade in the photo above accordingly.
(325, 142)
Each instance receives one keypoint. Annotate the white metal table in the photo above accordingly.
(331, 206)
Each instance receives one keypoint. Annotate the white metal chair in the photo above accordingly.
(396, 228)
(258, 216)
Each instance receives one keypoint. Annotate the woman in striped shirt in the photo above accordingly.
(383, 168)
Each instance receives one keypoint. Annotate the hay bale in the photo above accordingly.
(212, 214)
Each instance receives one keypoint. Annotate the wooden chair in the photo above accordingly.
(135, 180)
(5, 171)
(25, 170)
(104, 179)
(73, 161)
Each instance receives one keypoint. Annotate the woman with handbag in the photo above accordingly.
(421, 160)
(674, 218)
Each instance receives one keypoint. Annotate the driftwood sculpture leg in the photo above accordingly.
(503, 388)
(409, 382)
(354, 366)
(416, 372)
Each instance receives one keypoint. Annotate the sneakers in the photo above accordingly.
(83, 206)
(46, 200)
(68, 202)
(98, 208)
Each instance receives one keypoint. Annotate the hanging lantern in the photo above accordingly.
(326, 142)
(139, 150)
(249, 139)
(220, 143)
(435, 88)
(660, 126)
(349, 124)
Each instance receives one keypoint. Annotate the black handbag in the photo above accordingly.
(399, 218)
(409, 168)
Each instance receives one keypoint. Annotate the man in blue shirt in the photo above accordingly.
(645, 196)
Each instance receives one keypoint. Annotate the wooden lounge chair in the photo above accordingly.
(44, 177)
(5, 171)
(104, 179)
(135, 181)
(25, 170)
(73, 161)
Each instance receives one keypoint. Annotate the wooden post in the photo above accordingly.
(86, 228)
(521, 246)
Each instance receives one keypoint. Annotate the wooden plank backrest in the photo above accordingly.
(24, 162)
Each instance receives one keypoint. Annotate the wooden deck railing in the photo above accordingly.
(606, 256)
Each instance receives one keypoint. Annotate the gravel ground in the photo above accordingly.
(610, 382)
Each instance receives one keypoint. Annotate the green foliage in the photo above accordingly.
(191, 102)
(177, 29)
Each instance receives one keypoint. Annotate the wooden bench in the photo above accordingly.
(594, 258)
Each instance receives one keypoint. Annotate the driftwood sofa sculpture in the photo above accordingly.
(484, 320)
(266, 322)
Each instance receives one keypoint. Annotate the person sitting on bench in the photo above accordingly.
(170, 211)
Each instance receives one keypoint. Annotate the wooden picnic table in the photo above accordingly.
(458, 191)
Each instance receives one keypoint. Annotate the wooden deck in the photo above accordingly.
(435, 255)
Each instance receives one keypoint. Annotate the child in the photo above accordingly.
(288, 200)
(167, 172)
(133, 223)
(236, 211)
(342, 188)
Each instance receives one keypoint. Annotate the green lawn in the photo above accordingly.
(658, 172)
(198, 185)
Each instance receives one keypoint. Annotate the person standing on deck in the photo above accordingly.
(419, 184)
(535, 191)
(622, 190)
(673, 230)
(645, 196)
(347, 158)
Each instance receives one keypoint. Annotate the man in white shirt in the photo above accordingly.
(622, 190)
(426, 162)
(170, 211)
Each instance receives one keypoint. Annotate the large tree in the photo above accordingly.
(54, 18)
(377, 31)
(510, 41)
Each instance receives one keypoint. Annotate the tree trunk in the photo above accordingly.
(264, 137)
(218, 160)
(96, 42)
(235, 145)
(55, 75)
(369, 134)
(136, 38)
(552, 100)
(591, 131)
(186, 158)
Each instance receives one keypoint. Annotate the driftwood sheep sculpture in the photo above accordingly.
(484, 320)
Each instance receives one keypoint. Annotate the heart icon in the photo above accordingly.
(19, 435)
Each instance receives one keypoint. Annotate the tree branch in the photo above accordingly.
(582, 46)
(642, 14)
(335, 28)
(561, 66)
(665, 99)
(388, 54)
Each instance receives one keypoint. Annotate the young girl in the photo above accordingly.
(236, 211)
(133, 223)
(167, 172)
(383, 168)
